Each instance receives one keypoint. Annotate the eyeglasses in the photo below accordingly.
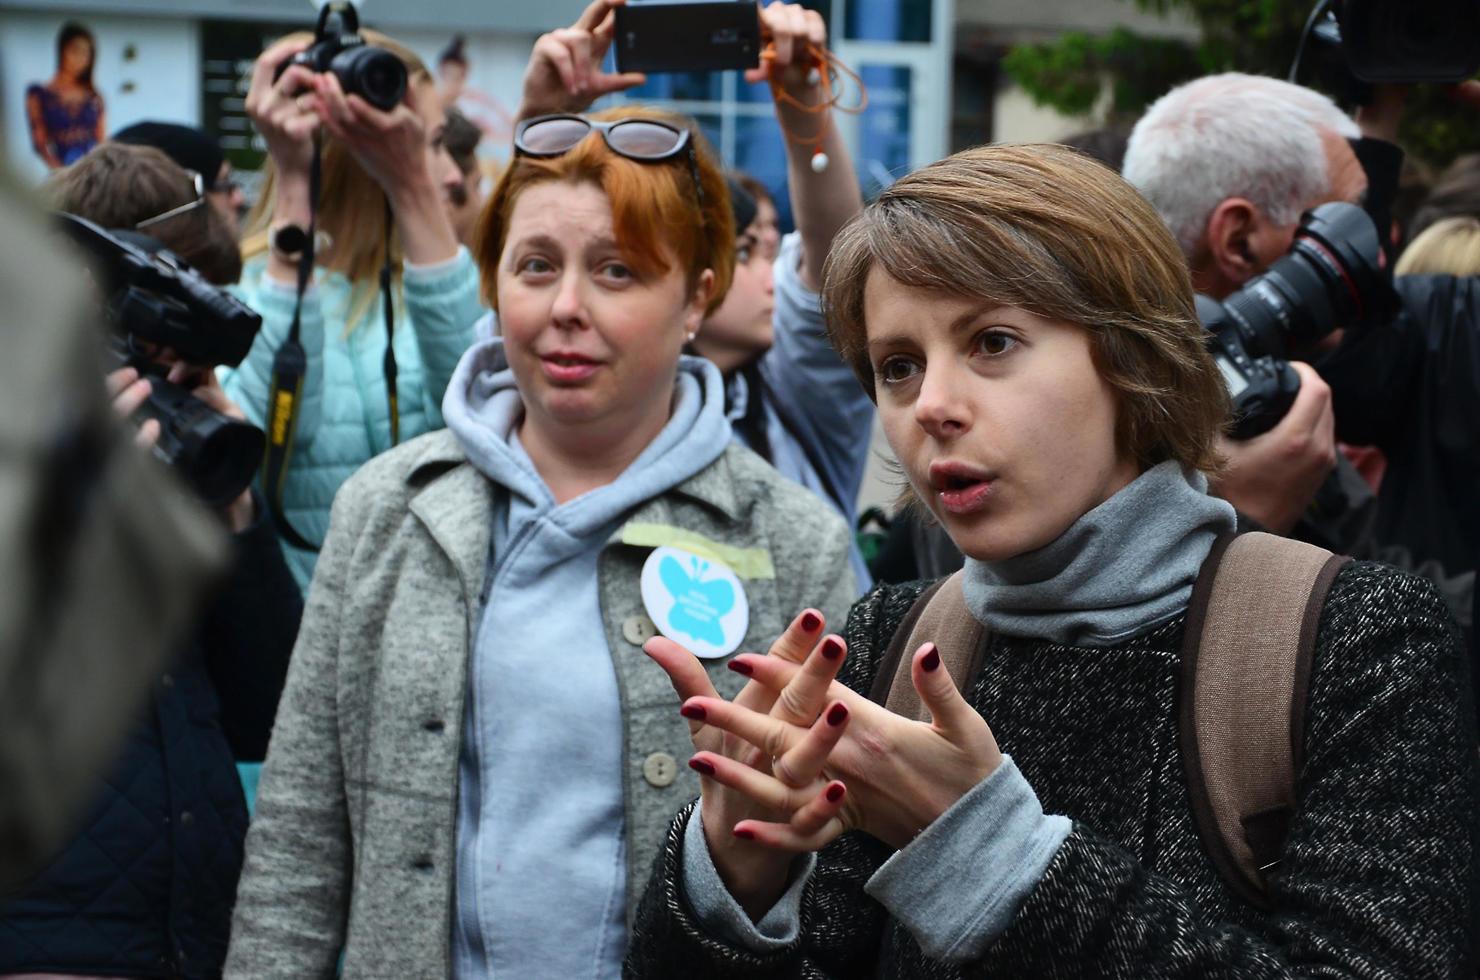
(643, 140)
(200, 198)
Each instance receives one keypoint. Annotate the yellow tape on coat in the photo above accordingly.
(747, 563)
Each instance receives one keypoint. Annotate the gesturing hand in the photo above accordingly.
(900, 774)
(756, 876)
(564, 72)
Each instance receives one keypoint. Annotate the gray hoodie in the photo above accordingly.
(541, 873)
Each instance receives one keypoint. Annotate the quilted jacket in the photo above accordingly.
(1380, 873)
(145, 887)
(344, 415)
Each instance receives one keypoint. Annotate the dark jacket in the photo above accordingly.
(145, 888)
(1412, 388)
(1379, 874)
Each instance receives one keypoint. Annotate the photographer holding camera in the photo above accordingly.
(1232, 162)
(144, 887)
(387, 307)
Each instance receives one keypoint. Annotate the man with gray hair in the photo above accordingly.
(1231, 162)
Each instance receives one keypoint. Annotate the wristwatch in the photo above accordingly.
(287, 241)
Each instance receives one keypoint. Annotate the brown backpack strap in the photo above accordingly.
(1250, 642)
(939, 616)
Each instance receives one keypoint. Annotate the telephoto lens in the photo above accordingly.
(1332, 277)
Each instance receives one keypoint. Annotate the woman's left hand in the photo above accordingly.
(900, 774)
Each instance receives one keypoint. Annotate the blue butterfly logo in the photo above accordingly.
(698, 606)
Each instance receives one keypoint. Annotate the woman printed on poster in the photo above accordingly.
(66, 113)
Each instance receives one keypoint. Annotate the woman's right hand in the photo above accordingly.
(756, 875)
(283, 110)
(564, 72)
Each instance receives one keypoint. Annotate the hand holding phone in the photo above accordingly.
(564, 71)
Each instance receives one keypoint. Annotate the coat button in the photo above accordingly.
(660, 769)
(186, 818)
(637, 630)
(167, 681)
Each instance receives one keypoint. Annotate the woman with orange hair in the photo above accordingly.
(473, 761)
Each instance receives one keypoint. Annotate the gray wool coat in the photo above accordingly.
(353, 845)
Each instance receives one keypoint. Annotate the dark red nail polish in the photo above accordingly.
(832, 648)
(811, 622)
(701, 767)
(741, 667)
(692, 711)
(837, 715)
(932, 660)
(744, 833)
(835, 792)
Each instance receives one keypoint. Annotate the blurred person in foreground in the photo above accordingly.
(145, 885)
(386, 180)
(476, 620)
(790, 398)
(1028, 327)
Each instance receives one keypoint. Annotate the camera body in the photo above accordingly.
(154, 300)
(1362, 43)
(1332, 277)
(374, 74)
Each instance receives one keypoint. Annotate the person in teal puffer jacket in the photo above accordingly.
(369, 157)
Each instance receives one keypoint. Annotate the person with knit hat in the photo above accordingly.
(196, 151)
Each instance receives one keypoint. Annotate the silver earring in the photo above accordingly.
(691, 335)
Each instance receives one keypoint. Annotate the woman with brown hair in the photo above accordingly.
(1025, 322)
(383, 205)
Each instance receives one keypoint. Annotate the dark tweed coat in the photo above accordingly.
(1380, 872)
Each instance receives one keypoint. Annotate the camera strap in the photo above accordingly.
(290, 367)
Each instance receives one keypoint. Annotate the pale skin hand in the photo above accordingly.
(901, 775)
(754, 874)
(822, 203)
(1273, 477)
(564, 71)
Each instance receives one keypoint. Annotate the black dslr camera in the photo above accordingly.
(155, 300)
(1331, 277)
(374, 74)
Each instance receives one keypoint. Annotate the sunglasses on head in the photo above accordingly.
(643, 140)
(200, 198)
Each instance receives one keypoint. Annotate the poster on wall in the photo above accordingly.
(65, 113)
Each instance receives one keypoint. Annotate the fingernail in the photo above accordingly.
(932, 659)
(744, 833)
(811, 622)
(701, 767)
(835, 792)
(692, 711)
(741, 667)
(832, 648)
(837, 715)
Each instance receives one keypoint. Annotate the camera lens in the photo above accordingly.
(1331, 277)
(374, 74)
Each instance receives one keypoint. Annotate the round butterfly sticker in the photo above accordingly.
(696, 602)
